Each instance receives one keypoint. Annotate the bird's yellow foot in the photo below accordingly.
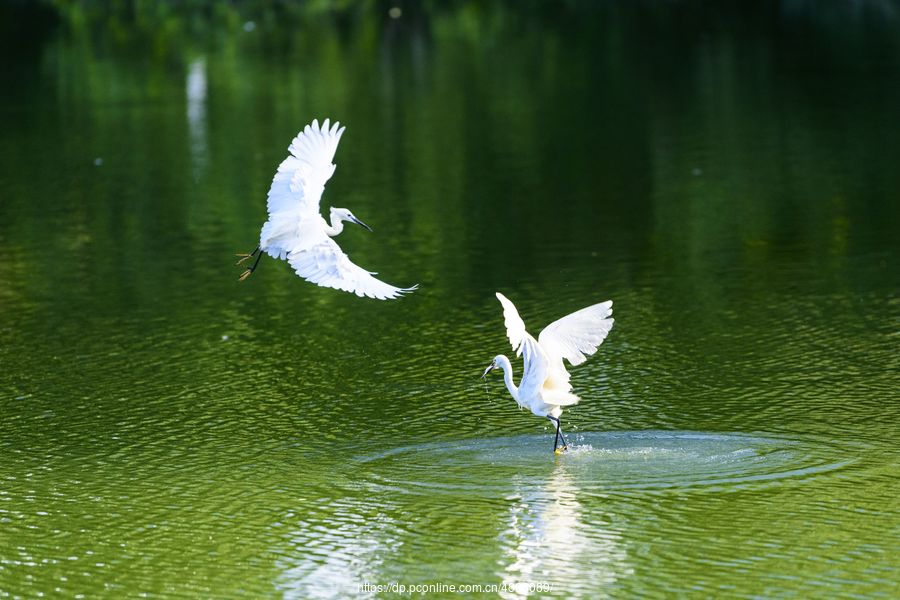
(245, 274)
(243, 258)
(560, 450)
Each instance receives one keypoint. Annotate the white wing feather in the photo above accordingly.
(574, 337)
(295, 229)
(578, 335)
(300, 180)
(298, 185)
(515, 326)
(325, 264)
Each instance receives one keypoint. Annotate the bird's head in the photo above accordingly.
(342, 214)
(495, 364)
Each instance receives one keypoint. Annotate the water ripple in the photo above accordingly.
(606, 462)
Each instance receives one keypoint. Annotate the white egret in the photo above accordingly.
(296, 230)
(544, 388)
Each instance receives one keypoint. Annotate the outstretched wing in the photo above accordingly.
(325, 264)
(515, 326)
(300, 180)
(544, 371)
(574, 338)
(577, 336)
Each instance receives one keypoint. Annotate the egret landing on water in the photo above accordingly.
(544, 388)
(296, 230)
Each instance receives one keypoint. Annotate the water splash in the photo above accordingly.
(616, 462)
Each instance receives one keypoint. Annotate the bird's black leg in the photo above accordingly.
(246, 256)
(559, 435)
(249, 271)
(565, 445)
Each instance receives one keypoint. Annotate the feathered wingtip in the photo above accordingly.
(515, 327)
(314, 134)
(327, 127)
(407, 290)
(385, 294)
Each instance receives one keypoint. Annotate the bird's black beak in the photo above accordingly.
(358, 222)
(488, 370)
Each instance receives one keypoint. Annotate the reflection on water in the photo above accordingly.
(578, 522)
(348, 553)
(726, 174)
(196, 114)
(548, 542)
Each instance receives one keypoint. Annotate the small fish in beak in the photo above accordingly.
(490, 368)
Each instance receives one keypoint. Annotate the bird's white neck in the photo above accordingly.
(508, 377)
(336, 227)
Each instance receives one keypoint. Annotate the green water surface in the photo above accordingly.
(729, 178)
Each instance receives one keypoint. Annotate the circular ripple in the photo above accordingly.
(604, 462)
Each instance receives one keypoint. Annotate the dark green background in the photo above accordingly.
(725, 172)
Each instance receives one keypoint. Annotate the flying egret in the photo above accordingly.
(296, 230)
(544, 388)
